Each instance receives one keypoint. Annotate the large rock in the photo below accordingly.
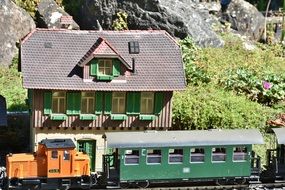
(15, 23)
(245, 18)
(50, 16)
(179, 18)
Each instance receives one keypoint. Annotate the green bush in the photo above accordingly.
(208, 106)
(11, 87)
(268, 89)
(195, 74)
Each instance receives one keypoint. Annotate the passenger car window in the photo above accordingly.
(197, 155)
(153, 156)
(131, 157)
(239, 153)
(218, 154)
(175, 156)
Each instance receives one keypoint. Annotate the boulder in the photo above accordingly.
(245, 18)
(179, 18)
(50, 15)
(15, 23)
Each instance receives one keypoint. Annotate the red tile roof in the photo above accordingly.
(159, 64)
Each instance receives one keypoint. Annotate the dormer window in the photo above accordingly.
(105, 66)
(105, 69)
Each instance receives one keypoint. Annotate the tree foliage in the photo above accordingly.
(120, 23)
(11, 87)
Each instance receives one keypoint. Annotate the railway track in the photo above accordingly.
(257, 186)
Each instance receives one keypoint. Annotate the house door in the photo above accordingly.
(89, 147)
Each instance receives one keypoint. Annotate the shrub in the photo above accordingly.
(190, 53)
(208, 106)
(11, 87)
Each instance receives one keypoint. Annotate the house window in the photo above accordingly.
(240, 153)
(131, 157)
(147, 102)
(218, 154)
(118, 102)
(153, 156)
(105, 66)
(175, 156)
(134, 47)
(58, 102)
(87, 102)
(197, 155)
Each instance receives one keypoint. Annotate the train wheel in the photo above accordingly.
(221, 182)
(124, 185)
(240, 181)
(143, 184)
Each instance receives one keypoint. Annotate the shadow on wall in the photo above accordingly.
(15, 137)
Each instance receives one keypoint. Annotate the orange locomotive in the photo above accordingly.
(55, 165)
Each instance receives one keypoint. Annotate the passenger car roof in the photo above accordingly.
(183, 138)
(280, 135)
(58, 143)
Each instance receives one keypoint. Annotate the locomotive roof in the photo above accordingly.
(280, 135)
(183, 138)
(58, 143)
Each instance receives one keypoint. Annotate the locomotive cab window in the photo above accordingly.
(54, 154)
(175, 156)
(66, 155)
(218, 154)
(197, 155)
(153, 156)
(131, 157)
(239, 153)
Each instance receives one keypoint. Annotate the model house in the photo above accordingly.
(84, 83)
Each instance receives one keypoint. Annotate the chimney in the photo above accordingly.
(134, 65)
(66, 21)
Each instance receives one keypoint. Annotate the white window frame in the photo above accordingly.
(148, 107)
(90, 109)
(243, 153)
(153, 155)
(193, 154)
(223, 154)
(132, 156)
(117, 97)
(178, 155)
(104, 64)
(58, 99)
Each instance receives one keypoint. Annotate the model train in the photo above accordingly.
(141, 158)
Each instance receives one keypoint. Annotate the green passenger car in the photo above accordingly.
(156, 156)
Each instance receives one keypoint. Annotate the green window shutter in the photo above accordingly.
(73, 103)
(158, 102)
(116, 67)
(47, 103)
(108, 102)
(133, 103)
(93, 67)
(98, 102)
